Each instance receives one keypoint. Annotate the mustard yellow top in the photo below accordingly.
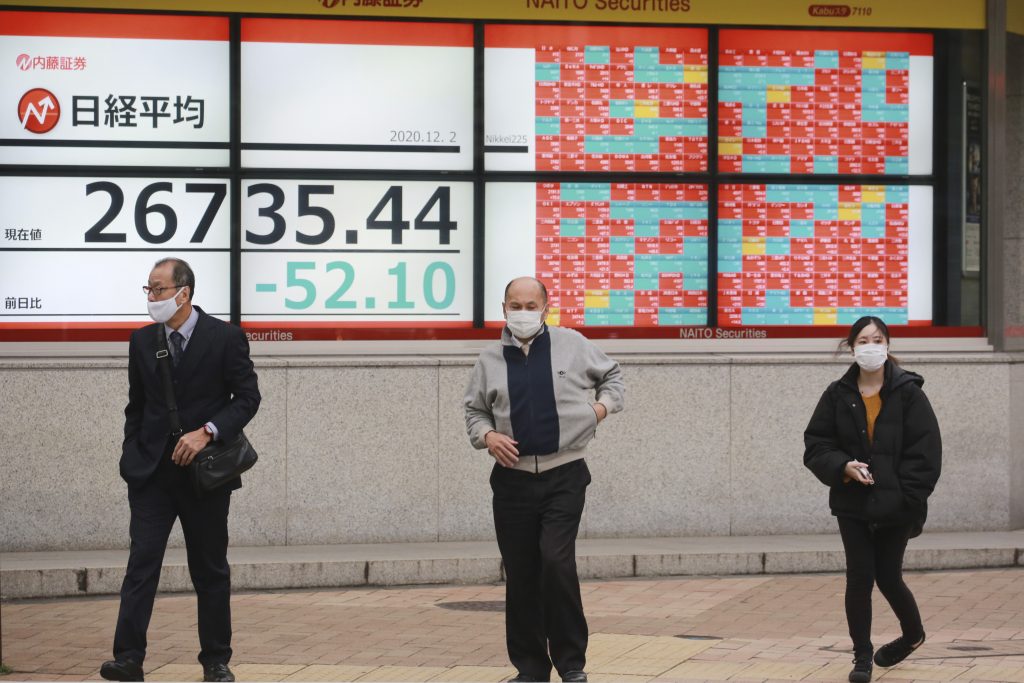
(872, 405)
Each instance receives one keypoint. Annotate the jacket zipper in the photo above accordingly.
(864, 409)
(529, 392)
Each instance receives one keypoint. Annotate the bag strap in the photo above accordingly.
(163, 362)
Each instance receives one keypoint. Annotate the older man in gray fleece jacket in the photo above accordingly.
(534, 402)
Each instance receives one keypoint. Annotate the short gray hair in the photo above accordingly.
(181, 274)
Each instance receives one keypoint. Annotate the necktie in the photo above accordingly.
(177, 344)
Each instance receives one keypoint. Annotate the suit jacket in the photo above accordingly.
(214, 382)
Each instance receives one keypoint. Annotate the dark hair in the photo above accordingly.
(543, 289)
(859, 326)
(181, 274)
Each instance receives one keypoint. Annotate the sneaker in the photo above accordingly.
(861, 672)
(895, 652)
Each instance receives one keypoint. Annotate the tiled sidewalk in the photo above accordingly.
(734, 628)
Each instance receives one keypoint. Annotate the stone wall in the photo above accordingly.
(368, 450)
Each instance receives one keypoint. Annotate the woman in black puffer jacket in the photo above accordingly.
(874, 441)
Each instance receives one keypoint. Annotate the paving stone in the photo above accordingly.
(472, 674)
(987, 672)
(766, 627)
(783, 671)
(323, 672)
(176, 672)
(919, 672)
(413, 674)
(703, 670)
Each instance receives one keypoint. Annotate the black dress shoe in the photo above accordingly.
(121, 670)
(527, 678)
(575, 677)
(218, 672)
(895, 652)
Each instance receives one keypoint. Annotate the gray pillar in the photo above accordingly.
(1013, 264)
(1013, 204)
(995, 170)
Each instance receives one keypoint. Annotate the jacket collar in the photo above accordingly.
(198, 342)
(508, 340)
(187, 328)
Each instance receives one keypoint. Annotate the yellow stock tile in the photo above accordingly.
(822, 318)
(754, 246)
(695, 76)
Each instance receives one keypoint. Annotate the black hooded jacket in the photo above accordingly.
(904, 458)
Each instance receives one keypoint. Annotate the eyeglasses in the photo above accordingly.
(157, 291)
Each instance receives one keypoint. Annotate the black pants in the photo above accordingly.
(536, 519)
(204, 522)
(875, 555)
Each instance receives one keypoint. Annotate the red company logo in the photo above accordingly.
(38, 110)
(23, 61)
(832, 11)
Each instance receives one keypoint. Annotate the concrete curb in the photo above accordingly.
(87, 573)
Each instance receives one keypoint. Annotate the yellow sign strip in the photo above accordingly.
(1015, 16)
(956, 14)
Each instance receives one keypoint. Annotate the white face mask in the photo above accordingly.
(162, 311)
(870, 356)
(524, 324)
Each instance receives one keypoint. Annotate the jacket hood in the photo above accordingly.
(895, 377)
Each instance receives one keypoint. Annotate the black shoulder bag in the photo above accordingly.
(218, 463)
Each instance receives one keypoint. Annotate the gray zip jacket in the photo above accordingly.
(542, 399)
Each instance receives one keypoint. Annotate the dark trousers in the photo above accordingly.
(875, 555)
(536, 519)
(204, 522)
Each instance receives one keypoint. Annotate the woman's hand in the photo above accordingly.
(857, 471)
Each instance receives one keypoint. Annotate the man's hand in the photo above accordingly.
(188, 445)
(600, 411)
(502, 447)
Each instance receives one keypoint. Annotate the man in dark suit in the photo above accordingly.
(216, 391)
